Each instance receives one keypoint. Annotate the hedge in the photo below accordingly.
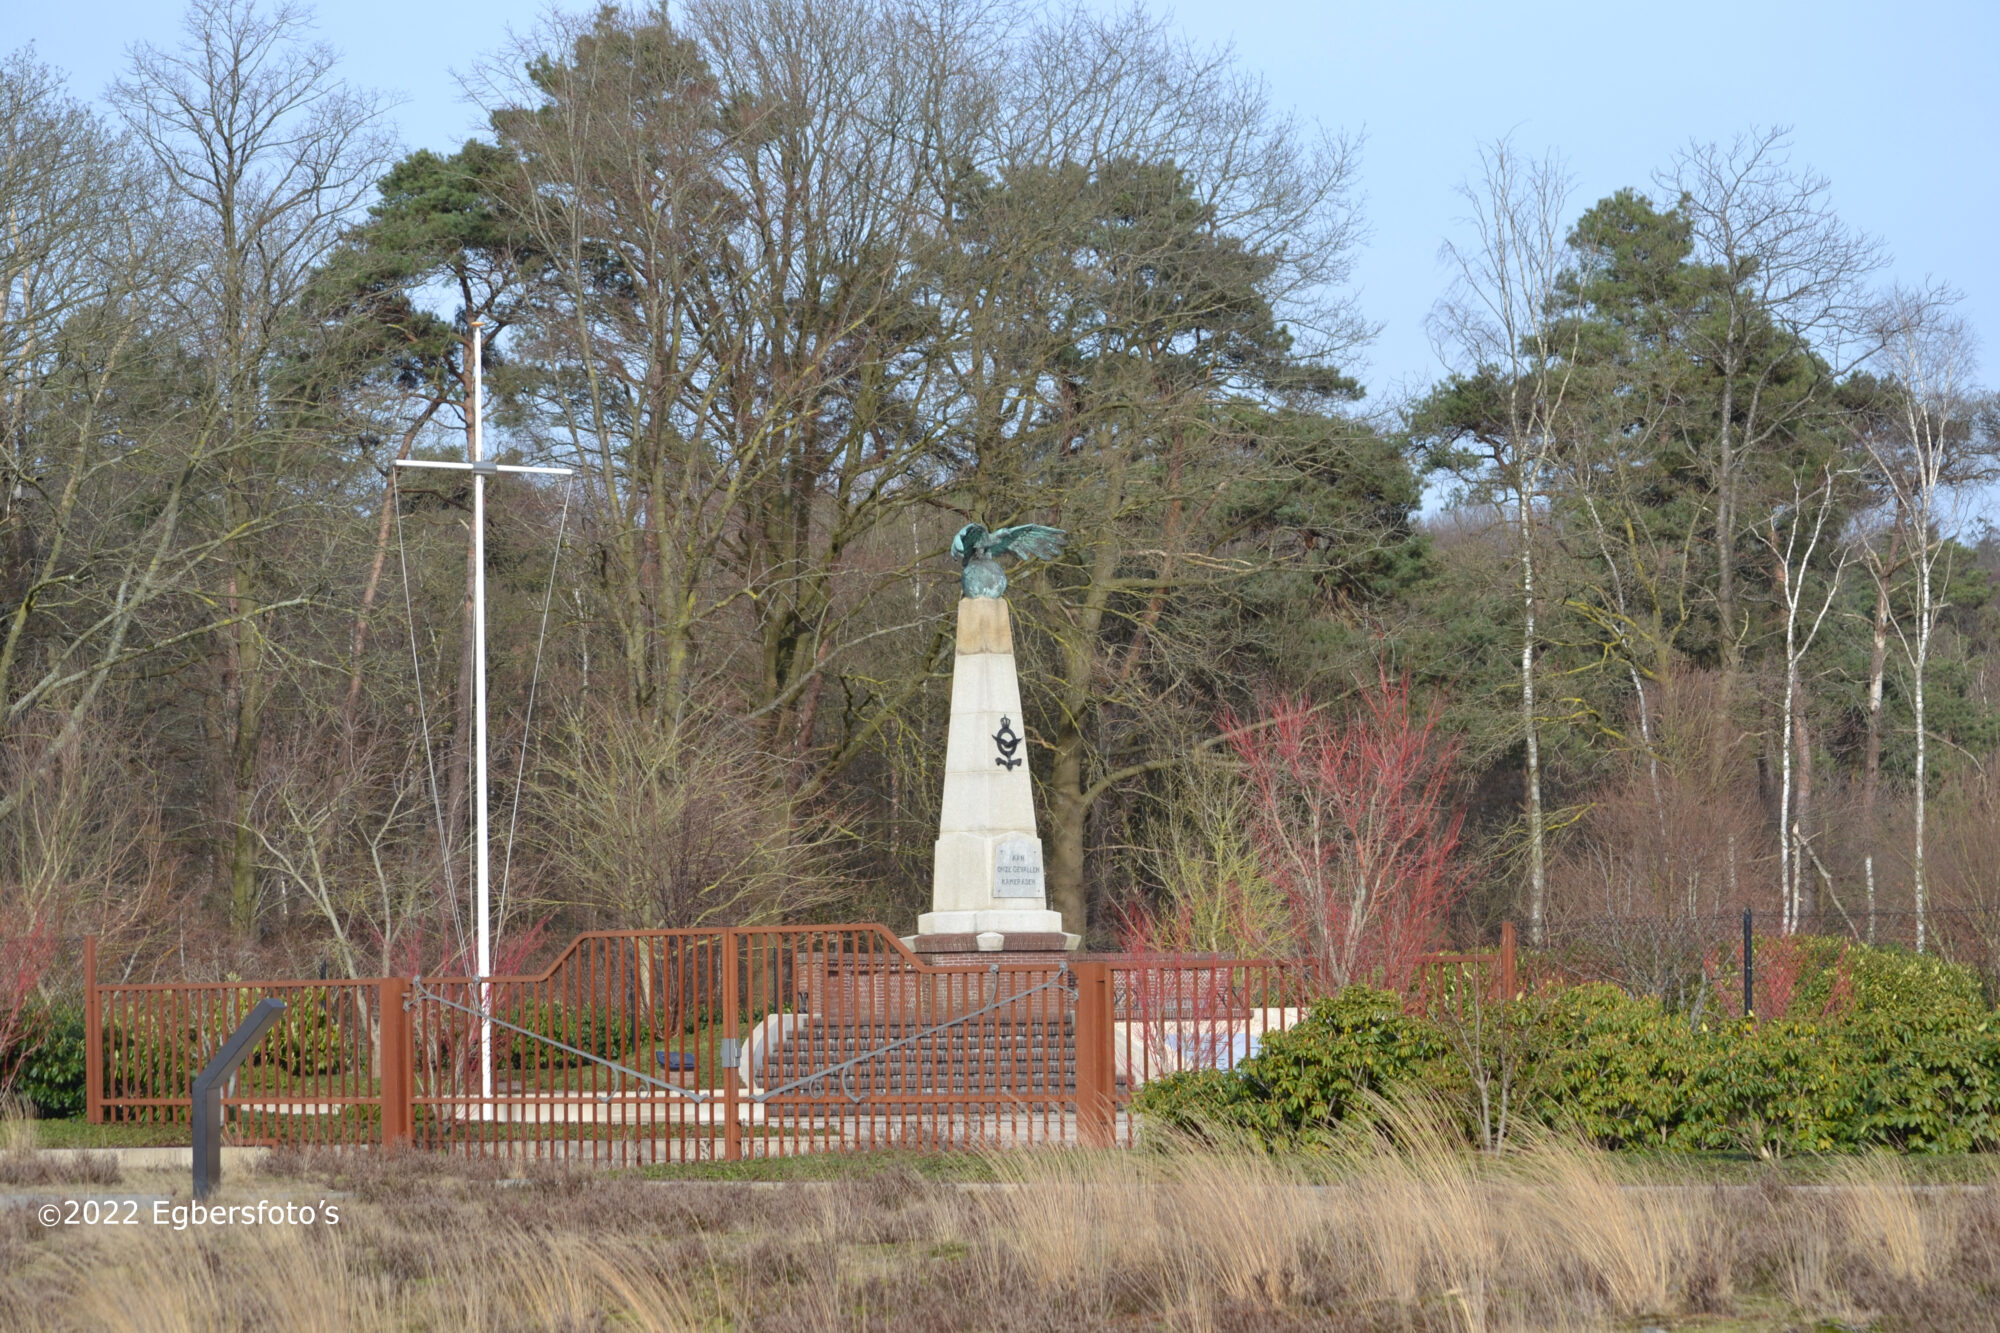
(1898, 1052)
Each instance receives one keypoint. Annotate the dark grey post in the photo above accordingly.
(208, 1093)
(1749, 966)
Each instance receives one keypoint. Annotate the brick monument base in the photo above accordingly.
(992, 946)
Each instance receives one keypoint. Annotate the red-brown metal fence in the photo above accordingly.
(314, 1078)
(685, 1045)
(610, 1054)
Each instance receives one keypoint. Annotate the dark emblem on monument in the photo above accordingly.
(1008, 743)
(977, 549)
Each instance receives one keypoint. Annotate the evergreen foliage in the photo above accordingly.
(1890, 1050)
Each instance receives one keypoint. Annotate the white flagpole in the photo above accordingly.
(481, 851)
(480, 858)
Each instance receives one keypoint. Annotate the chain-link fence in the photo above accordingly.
(1672, 956)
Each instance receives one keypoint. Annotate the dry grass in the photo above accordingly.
(1418, 1235)
(17, 1126)
(1917, 1235)
(21, 1164)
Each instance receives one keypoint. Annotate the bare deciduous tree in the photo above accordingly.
(1793, 536)
(265, 154)
(1934, 450)
(1502, 327)
(92, 546)
(672, 829)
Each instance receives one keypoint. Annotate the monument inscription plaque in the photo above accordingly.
(1017, 868)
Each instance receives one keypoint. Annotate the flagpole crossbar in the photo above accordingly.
(485, 468)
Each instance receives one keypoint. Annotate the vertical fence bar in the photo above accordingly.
(93, 1037)
(1749, 967)
(1508, 984)
(396, 1078)
(732, 1133)
(1096, 1113)
(708, 999)
(166, 1061)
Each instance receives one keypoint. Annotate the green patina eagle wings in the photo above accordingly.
(975, 548)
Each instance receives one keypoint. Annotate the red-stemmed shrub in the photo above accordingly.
(27, 947)
(1351, 822)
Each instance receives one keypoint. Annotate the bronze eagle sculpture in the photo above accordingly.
(976, 549)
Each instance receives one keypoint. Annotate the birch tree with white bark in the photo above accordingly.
(1923, 462)
(1794, 534)
(1503, 329)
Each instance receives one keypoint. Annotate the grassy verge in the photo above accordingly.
(1657, 1168)
(1700, 1169)
(82, 1134)
(1720, 1168)
(1661, 1168)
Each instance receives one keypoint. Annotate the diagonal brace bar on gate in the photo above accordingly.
(421, 991)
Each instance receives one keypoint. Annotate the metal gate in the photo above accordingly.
(717, 1045)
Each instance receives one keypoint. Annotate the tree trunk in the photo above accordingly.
(1725, 541)
(458, 779)
(1873, 745)
(1919, 889)
(1069, 798)
(1537, 877)
(1802, 814)
(1787, 861)
(244, 747)
(458, 775)
(1871, 763)
(1068, 819)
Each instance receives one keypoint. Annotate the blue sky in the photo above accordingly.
(1897, 104)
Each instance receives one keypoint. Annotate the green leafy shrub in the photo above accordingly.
(1204, 1101)
(1612, 1063)
(51, 1072)
(146, 1055)
(1304, 1079)
(1896, 980)
(1776, 1087)
(305, 1041)
(152, 1055)
(1925, 1081)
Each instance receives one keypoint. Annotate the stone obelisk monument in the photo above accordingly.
(987, 891)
